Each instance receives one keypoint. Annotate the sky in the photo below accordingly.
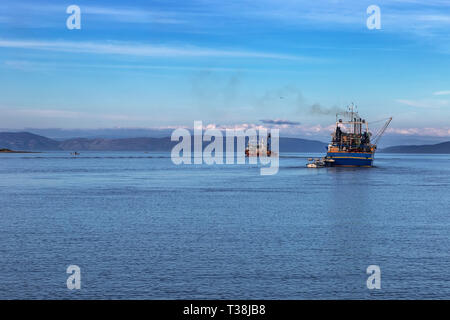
(235, 63)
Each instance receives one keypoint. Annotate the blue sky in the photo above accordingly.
(228, 63)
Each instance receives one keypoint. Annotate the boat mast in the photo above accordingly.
(351, 120)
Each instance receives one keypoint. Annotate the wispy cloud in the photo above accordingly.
(68, 114)
(280, 122)
(434, 132)
(287, 128)
(126, 14)
(425, 103)
(321, 132)
(397, 16)
(306, 130)
(440, 18)
(442, 93)
(27, 65)
(351, 13)
(135, 49)
(22, 65)
(135, 15)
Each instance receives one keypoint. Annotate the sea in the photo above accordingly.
(140, 227)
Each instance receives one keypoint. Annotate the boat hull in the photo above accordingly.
(351, 159)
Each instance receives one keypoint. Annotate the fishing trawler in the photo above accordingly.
(352, 144)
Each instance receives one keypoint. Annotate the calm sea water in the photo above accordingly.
(140, 227)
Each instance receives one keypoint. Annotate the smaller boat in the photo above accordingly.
(261, 149)
(74, 153)
(319, 163)
(315, 163)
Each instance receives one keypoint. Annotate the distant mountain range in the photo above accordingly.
(427, 148)
(32, 142)
(25, 141)
(389, 139)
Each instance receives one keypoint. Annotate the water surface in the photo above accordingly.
(140, 227)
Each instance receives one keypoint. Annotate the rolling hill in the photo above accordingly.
(31, 142)
(27, 141)
(443, 147)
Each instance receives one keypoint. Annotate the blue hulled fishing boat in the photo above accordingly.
(352, 144)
